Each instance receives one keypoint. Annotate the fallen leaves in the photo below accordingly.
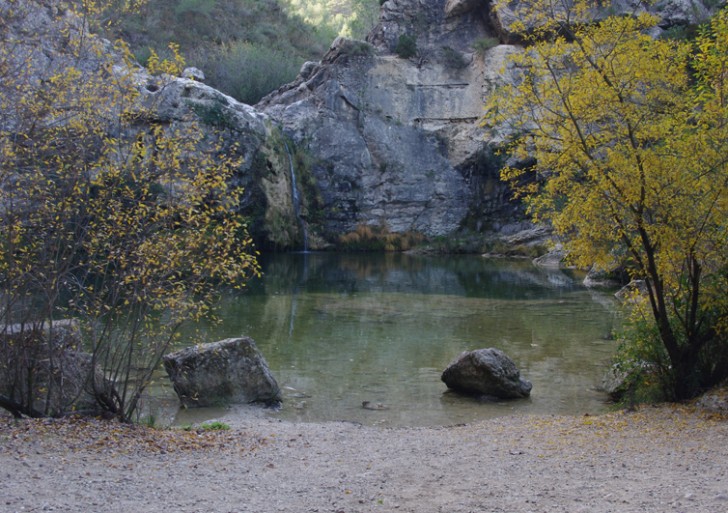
(110, 437)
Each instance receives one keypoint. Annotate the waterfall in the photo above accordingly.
(296, 199)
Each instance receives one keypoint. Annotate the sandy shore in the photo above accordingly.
(654, 460)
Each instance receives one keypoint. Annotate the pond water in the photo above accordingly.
(340, 329)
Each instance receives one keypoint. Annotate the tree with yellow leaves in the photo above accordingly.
(108, 215)
(624, 140)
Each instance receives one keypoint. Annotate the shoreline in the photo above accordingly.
(666, 458)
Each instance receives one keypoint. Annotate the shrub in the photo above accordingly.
(354, 48)
(379, 238)
(128, 227)
(246, 71)
(484, 44)
(643, 359)
(453, 59)
(406, 46)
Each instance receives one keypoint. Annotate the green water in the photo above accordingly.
(340, 329)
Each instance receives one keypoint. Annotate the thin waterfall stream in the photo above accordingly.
(296, 199)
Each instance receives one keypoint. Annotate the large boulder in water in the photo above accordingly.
(228, 371)
(488, 372)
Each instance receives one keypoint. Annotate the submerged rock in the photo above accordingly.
(488, 372)
(227, 371)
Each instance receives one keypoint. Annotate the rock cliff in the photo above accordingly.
(396, 141)
(365, 136)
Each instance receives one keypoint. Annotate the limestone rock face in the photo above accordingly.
(486, 372)
(194, 74)
(457, 7)
(229, 371)
(395, 141)
(373, 138)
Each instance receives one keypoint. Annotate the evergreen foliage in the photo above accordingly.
(246, 48)
(406, 46)
(350, 18)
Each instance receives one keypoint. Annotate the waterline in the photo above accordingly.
(338, 330)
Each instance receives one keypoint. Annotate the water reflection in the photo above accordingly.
(341, 329)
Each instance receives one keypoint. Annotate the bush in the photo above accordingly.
(406, 46)
(641, 357)
(353, 48)
(246, 71)
(453, 59)
(378, 238)
(127, 227)
(484, 44)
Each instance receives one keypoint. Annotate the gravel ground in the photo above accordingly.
(654, 460)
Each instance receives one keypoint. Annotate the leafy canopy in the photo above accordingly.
(623, 144)
(109, 215)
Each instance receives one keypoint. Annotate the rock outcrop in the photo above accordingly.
(43, 363)
(486, 372)
(373, 138)
(228, 371)
(510, 18)
(396, 141)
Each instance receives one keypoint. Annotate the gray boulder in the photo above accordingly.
(193, 74)
(488, 372)
(228, 371)
(42, 363)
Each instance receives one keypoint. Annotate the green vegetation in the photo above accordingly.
(453, 59)
(215, 425)
(406, 46)
(110, 218)
(246, 48)
(630, 139)
(349, 18)
(484, 44)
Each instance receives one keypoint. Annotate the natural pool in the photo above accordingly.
(340, 329)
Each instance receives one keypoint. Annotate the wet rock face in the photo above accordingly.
(486, 372)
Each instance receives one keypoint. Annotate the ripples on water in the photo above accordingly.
(340, 329)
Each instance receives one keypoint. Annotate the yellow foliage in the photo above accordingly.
(631, 157)
(131, 227)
